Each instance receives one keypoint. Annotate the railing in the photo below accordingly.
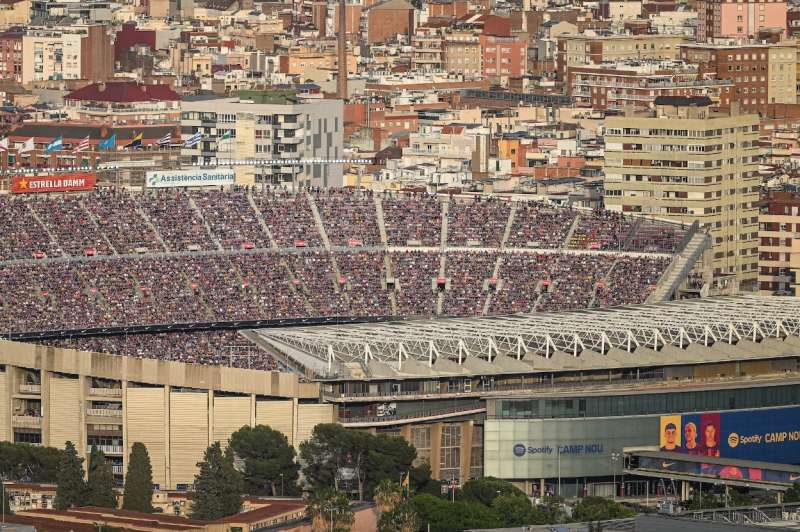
(26, 421)
(106, 392)
(30, 388)
(117, 469)
(475, 405)
(103, 412)
(108, 449)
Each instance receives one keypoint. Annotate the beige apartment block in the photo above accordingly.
(49, 396)
(684, 162)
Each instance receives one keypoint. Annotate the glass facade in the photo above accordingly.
(651, 403)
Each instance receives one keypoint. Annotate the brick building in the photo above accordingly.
(738, 19)
(503, 57)
(778, 246)
(11, 55)
(389, 18)
(761, 74)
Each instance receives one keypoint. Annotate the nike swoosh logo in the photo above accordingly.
(667, 464)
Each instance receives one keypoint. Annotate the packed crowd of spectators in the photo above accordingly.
(573, 280)
(539, 226)
(349, 218)
(181, 227)
(415, 274)
(289, 218)
(416, 218)
(219, 348)
(117, 216)
(518, 286)
(22, 234)
(314, 275)
(363, 277)
(657, 238)
(71, 225)
(481, 221)
(601, 229)
(231, 218)
(631, 281)
(469, 274)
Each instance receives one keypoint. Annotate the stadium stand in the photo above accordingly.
(113, 258)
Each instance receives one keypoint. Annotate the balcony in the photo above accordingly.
(106, 392)
(32, 389)
(33, 422)
(108, 449)
(117, 469)
(103, 412)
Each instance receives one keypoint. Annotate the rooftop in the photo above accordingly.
(679, 332)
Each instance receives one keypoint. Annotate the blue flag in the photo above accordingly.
(57, 144)
(109, 143)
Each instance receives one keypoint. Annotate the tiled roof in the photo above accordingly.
(123, 91)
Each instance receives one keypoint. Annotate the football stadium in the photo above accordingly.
(494, 334)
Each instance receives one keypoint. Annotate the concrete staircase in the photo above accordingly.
(572, 228)
(675, 274)
(96, 226)
(46, 229)
(199, 212)
(152, 227)
(442, 257)
(261, 222)
(318, 221)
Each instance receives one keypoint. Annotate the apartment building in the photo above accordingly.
(269, 126)
(685, 162)
(738, 19)
(11, 54)
(49, 396)
(574, 50)
(762, 74)
(428, 54)
(614, 86)
(462, 53)
(124, 102)
(503, 57)
(779, 244)
(71, 52)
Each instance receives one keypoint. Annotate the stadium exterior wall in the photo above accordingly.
(49, 396)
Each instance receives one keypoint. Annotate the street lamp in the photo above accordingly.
(281, 484)
(614, 458)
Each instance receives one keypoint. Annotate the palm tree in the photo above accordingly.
(388, 495)
(329, 510)
(402, 519)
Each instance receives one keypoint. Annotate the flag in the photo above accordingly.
(108, 144)
(166, 140)
(404, 484)
(27, 146)
(55, 145)
(83, 145)
(4, 144)
(135, 142)
(194, 139)
(225, 136)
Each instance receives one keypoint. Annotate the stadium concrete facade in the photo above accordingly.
(50, 396)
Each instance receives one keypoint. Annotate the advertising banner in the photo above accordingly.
(190, 178)
(52, 183)
(731, 472)
(770, 435)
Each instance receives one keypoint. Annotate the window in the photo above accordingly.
(450, 462)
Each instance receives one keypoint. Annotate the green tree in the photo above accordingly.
(388, 457)
(387, 495)
(217, 486)
(422, 481)
(793, 493)
(71, 489)
(445, 516)
(269, 461)
(515, 509)
(703, 500)
(330, 510)
(138, 493)
(372, 458)
(100, 486)
(484, 490)
(599, 509)
(401, 518)
(29, 463)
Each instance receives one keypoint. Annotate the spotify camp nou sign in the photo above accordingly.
(770, 435)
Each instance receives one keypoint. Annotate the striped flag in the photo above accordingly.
(165, 140)
(55, 145)
(83, 145)
(193, 140)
